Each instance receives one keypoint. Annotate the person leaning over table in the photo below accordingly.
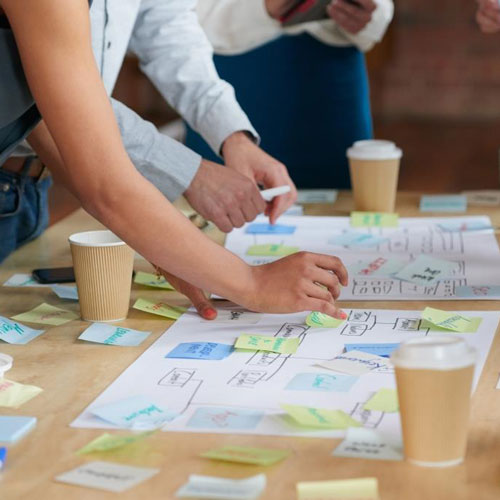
(488, 16)
(60, 84)
(304, 87)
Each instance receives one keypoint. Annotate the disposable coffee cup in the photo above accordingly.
(103, 270)
(374, 169)
(434, 382)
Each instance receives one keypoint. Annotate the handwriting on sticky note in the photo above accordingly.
(258, 228)
(152, 280)
(355, 363)
(271, 250)
(342, 489)
(321, 320)
(159, 308)
(47, 315)
(13, 394)
(448, 320)
(201, 350)
(247, 455)
(479, 291)
(425, 270)
(374, 219)
(443, 203)
(13, 332)
(352, 239)
(108, 442)
(483, 198)
(321, 382)
(104, 333)
(319, 418)
(281, 345)
(385, 400)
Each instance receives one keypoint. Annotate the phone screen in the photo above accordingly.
(54, 275)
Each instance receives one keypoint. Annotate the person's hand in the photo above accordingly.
(244, 156)
(300, 282)
(278, 8)
(351, 16)
(224, 196)
(488, 16)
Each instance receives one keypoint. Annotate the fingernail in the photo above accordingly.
(209, 313)
(343, 315)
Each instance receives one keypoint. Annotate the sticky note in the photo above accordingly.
(321, 382)
(65, 292)
(321, 320)
(201, 350)
(271, 250)
(225, 418)
(319, 418)
(479, 291)
(247, 455)
(483, 198)
(152, 280)
(13, 428)
(23, 280)
(426, 270)
(13, 332)
(218, 488)
(138, 412)
(317, 195)
(13, 394)
(357, 240)
(281, 345)
(449, 320)
(47, 315)
(235, 315)
(443, 203)
(385, 400)
(295, 210)
(380, 266)
(342, 489)
(464, 226)
(374, 219)
(159, 308)
(366, 444)
(383, 350)
(107, 476)
(104, 333)
(355, 363)
(107, 442)
(257, 228)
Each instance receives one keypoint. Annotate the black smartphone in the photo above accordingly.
(54, 275)
(306, 11)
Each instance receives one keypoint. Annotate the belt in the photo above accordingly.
(15, 165)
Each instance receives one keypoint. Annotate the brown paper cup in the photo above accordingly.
(434, 381)
(103, 271)
(374, 169)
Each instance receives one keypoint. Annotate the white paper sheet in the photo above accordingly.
(476, 253)
(242, 393)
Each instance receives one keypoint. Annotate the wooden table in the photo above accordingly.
(72, 373)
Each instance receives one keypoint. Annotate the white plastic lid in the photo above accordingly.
(96, 239)
(374, 150)
(438, 352)
(5, 363)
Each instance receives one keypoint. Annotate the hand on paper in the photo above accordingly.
(488, 16)
(293, 284)
(351, 17)
(278, 8)
(242, 155)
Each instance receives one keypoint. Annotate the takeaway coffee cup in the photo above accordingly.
(103, 270)
(374, 168)
(434, 381)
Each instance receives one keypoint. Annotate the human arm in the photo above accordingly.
(488, 16)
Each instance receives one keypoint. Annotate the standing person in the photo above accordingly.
(49, 74)
(304, 87)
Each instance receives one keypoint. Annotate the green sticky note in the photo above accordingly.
(320, 320)
(107, 442)
(47, 315)
(152, 280)
(385, 400)
(450, 320)
(271, 250)
(281, 345)
(159, 308)
(374, 219)
(320, 418)
(247, 455)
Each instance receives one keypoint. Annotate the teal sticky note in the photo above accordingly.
(321, 382)
(12, 429)
(443, 203)
(14, 332)
(478, 291)
(258, 228)
(426, 270)
(201, 350)
(104, 333)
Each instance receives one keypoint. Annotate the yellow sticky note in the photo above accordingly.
(271, 250)
(374, 219)
(281, 345)
(320, 320)
(384, 400)
(360, 489)
(47, 315)
(107, 442)
(320, 418)
(13, 394)
(450, 320)
(247, 455)
(152, 280)
(159, 308)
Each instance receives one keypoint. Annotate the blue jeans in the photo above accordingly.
(24, 212)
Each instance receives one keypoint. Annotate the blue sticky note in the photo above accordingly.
(138, 412)
(65, 292)
(257, 228)
(384, 350)
(477, 291)
(201, 350)
(3, 456)
(322, 382)
(14, 332)
(464, 226)
(224, 418)
(104, 333)
(12, 429)
(443, 203)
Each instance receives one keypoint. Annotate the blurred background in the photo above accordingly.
(435, 91)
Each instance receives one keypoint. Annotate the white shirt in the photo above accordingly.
(236, 26)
